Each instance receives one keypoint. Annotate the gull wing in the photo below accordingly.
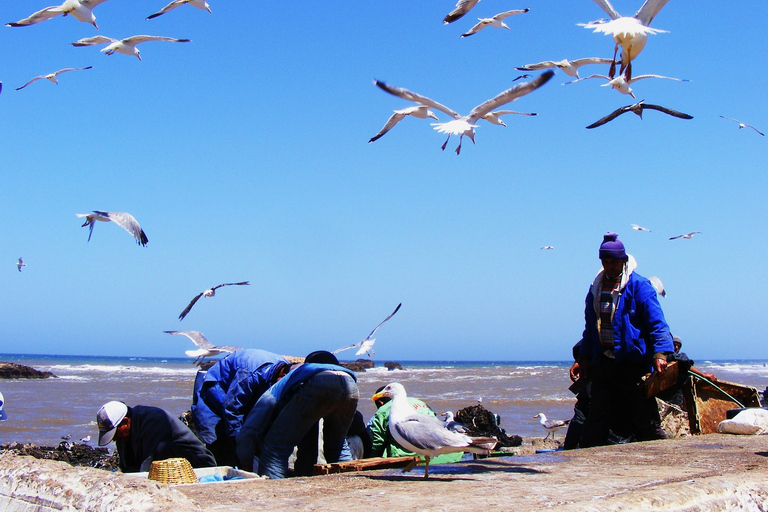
(658, 285)
(189, 306)
(608, 8)
(196, 337)
(610, 117)
(382, 322)
(42, 15)
(480, 25)
(128, 223)
(462, 8)
(90, 41)
(539, 65)
(347, 347)
(427, 433)
(92, 3)
(649, 10)
(640, 77)
(391, 122)
(134, 40)
(666, 110)
(169, 7)
(507, 96)
(31, 81)
(57, 73)
(227, 348)
(587, 78)
(590, 60)
(416, 98)
(231, 284)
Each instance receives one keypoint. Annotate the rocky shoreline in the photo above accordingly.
(19, 371)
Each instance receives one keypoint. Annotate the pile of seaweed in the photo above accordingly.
(75, 454)
(483, 423)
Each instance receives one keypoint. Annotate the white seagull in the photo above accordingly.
(207, 349)
(81, 10)
(20, 264)
(743, 125)
(122, 219)
(569, 67)
(453, 425)
(496, 21)
(86, 439)
(366, 346)
(425, 435)
(495, 116)
(200, 4)
(687, 235)
(621, 84)
(465, 125)
(658, 285)
(631, 33)
(637, 227)
(638, 108)
(547, 248)
(125, 46)
(210, 292)
(551, 426)
(53, 77)
(419, 111)
(462, 8)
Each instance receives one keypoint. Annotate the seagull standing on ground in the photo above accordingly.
(687, 235)
(210, 292)
(207, 349)
(551, 426)
(20, 264)
(637, 108)
(621, 84)
(53, 77)
(569, 67)
(453, 425)
(419, 111)
(122, 219)
(425, 435)
(366, 346)
(200, 4)
(81, 10)
(496, 21)
(743, 125)
(125, 46)
(465, 125)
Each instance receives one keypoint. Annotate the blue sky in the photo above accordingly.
(244, 156)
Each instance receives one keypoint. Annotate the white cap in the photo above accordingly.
(3, 416)
(108, 418)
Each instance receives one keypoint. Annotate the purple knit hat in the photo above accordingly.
(612, 247)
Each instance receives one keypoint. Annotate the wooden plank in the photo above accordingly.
(656, 382)
(364, 464)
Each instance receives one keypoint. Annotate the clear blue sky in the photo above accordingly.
(244, 156)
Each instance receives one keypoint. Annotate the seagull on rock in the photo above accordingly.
(53, 77)
(631, 33)
(125, 46)
(122, 219)
(551, 426)
(210, 292)
(200, 4)
(621, 84)
(207, 349)
(569, 67)
(81, 10)
(496, 21)
(20, 264)
(419, 111)
(638, 108)
(465, 125)
(366, 346)
(425, 435)
(743, 125)
(687, 236)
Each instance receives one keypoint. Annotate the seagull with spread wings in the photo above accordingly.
(53, 77)
(200, 4)
(621, 84)
(496, 21)
(462, 8)
(495, 116)
(687, 236)
(207, 349)
(122, 219)
(638, 227)
(20, 264)
(366, 346)
(210, 292)
(638, 108)
(125, 46)
(81, 10)
(743, 125)
(569, 67)
(465, 125)
(419, 111)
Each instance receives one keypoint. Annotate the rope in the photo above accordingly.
(716, 387)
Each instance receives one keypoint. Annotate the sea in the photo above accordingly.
(43, 411)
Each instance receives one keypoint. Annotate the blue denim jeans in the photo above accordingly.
(331, 396)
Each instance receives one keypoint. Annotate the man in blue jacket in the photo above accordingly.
(226, 393)
(287, 416)
(625, 337)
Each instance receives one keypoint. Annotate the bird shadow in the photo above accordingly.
(454, 472)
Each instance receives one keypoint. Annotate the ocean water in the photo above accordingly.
(42, 411)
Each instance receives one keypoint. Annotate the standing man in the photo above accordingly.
(625, 336)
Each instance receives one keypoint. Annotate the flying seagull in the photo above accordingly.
(547, 248)
(687, 235)
(658, 285)
(122, 219)
(637, 108)
(20, 264)
(53, 77)
(81, 10)
(465, 125)
(210, 292)
(451, 424)
(743, 125)
(551, 426)
(462, 8)
(569, 67)
(496, 21)
(631, 33)
(425, 435)
(621, 84)
(125, 46)
(495, 116)
(637, 227)
(366, 346)
(200, 4)
(207, 349)
(419, 111)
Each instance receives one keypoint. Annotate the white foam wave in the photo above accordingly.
(117, 369)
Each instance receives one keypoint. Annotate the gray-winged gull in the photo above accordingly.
(122, 219)
(743, 125)
(366, 346)
(200, 4)
(551, 426)
(496, 21)
(451, 424)
(569, 67)
(125, 46)
(687, 235)
(53, 77)
(81, 10)
(207, 349)
(638, 108)
(20, 264)
(210, 292)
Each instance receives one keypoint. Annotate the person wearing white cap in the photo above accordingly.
(3, 416)
(143, 434)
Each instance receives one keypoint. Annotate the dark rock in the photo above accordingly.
(74, 454)
(392, 366)
(359, 366)
(483, 423)
(19, 371)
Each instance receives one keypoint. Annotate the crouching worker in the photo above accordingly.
(143, 434)
(287, 416)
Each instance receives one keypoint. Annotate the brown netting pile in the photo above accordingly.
(482, 423)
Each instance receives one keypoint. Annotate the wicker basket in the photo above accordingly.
(172, 471)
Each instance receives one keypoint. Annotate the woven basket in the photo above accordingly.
(172, 471)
